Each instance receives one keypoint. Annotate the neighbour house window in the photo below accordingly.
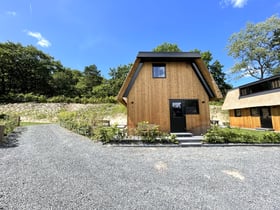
(255, 111)
(275, 83)
(264, 86)
(159, 70)
(192, 107)
(237, 112)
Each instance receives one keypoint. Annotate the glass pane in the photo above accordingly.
(192, 107)
(177, 109)
(159, 71)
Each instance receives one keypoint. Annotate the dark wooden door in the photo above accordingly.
(265, 115)
(177, 115)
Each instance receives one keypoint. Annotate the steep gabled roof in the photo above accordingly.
(194, 58)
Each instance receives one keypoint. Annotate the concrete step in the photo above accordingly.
(183, 134)
(190, 139)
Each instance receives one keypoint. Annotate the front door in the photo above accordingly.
(177, 115)
(265, 115)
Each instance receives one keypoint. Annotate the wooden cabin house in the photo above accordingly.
(255, 105)
(171, 90)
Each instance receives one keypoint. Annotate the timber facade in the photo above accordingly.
(255, 105)
(171, 90)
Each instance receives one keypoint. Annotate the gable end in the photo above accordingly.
(131, 82)
(203, 81)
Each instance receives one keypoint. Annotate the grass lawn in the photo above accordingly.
(256, 133)
(236, 135)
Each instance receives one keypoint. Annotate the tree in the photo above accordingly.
(118, 76)
(25, 69)
(219, 76)
(252, 48)
(167, 47)
(90, 78)
(64, 82)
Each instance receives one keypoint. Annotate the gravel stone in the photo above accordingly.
(50, 167)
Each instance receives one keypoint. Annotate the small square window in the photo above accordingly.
(237, 112)
(255, 112)
(159, 71)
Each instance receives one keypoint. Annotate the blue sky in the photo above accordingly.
(109, 33)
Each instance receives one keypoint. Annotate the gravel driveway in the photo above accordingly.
(52, 168)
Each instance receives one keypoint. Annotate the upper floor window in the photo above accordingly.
(260, 87)
(275, 83)
(159, 71)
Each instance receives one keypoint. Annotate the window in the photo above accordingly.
(192, 107)
(275, 83)
(255, 111)
(260, 87)
(159, 71)
(237, 112)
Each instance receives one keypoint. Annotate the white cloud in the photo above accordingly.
(234, 3)
(11, 13)
(41, 40)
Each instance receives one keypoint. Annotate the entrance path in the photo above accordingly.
(52, 168)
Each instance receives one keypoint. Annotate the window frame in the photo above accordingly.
(255, 111)
(156, 74)
(237, 113)
(188, 101)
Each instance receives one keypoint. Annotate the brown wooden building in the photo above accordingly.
(171, 90)
(255, 105)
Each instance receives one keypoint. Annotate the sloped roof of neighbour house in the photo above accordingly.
(194, 58)
(271, 97)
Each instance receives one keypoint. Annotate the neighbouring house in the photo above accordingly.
(171, 90)
(255, 105)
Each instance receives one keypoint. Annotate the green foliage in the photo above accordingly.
(31, 97)
(118, 76)
(150, 133)
(10, 122)
(272, 138)
(25, 69)
(217, 135)
(85, 122)
(108, 134)
(167, 47)
(256, 49)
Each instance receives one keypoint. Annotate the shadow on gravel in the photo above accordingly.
(11, 140)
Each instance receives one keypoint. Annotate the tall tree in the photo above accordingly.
(167, 47)
(25, 69)
(253, 50)
(118, 76)
(64, 82)
(91, 78)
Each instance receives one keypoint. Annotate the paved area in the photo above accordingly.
(48, 167)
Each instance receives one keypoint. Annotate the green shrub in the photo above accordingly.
(108, 134)
(10, 122)
(271, 138)
(217, 135)
(150, 133)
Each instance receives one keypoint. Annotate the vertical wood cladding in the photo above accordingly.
(248, 121)
(148, 99)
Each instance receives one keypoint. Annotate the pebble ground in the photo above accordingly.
(48, 167)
